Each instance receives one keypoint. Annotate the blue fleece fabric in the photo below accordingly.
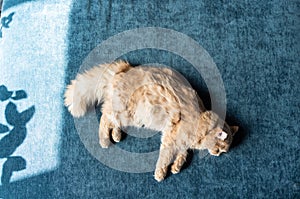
(255, 45)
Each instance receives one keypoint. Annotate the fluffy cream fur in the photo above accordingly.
(157, 98)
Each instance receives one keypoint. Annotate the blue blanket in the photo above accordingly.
(253, 46)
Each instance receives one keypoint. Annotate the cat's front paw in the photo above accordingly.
(160, 174)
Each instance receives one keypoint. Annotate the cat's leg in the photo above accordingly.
(107, 126)
(166, 154)
(104, 131)
(116, 132)
(179, 161)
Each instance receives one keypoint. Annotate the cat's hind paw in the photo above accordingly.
(175, 169)
(116, 134)
(104, 143)
(160, 174)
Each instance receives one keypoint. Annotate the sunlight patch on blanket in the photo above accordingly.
(33, 58)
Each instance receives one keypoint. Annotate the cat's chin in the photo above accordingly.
(213, 153)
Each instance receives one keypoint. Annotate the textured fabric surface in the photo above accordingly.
(255, 45)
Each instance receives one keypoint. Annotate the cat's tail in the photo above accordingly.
(91, 86)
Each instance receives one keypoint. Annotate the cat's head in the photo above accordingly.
(218, 134)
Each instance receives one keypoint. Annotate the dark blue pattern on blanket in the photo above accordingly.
(5, 21)
(14, 137)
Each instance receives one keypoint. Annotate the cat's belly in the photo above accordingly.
(151, 97)
(151, 116)
(144, 115)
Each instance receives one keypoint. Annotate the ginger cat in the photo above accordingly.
(155, 98)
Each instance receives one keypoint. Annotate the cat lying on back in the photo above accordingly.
(156, 98)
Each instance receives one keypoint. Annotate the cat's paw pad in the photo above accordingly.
(175, 169)
(159, 175)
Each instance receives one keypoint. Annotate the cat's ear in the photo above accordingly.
(234, 129)
(222, 135)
